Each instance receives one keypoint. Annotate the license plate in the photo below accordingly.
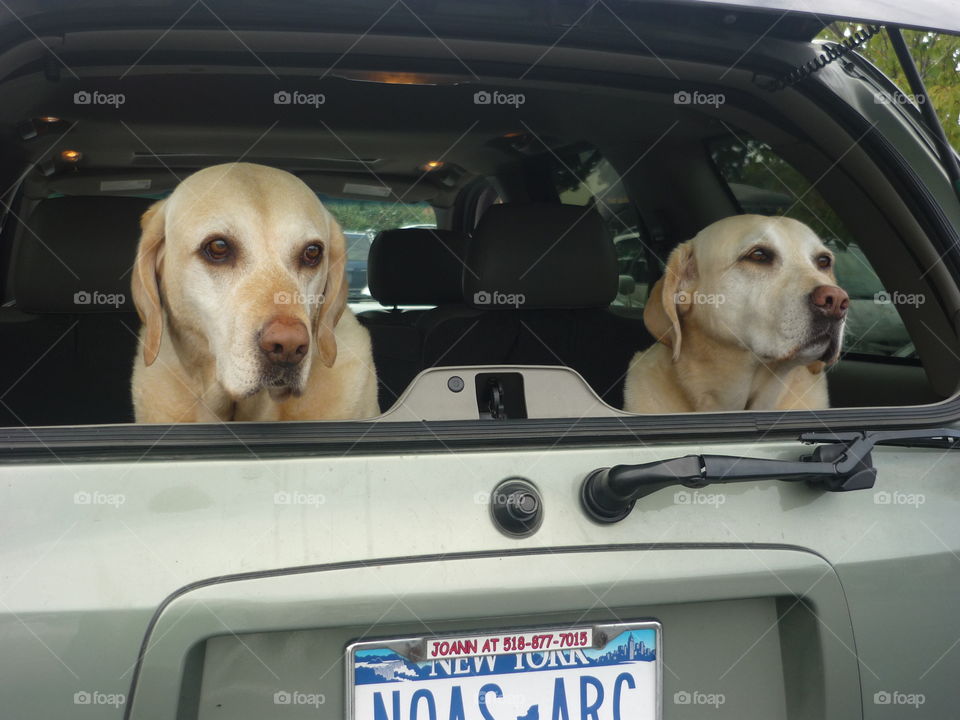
(599, 672)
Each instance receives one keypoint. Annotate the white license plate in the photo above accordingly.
(593, 672)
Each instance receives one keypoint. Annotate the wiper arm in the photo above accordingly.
(842, 463)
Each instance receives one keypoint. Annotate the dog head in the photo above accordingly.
(245, 258)
(765, 284)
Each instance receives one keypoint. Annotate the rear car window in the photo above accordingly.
(584, 177)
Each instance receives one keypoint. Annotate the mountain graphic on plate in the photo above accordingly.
(384, 669)
(380, 665)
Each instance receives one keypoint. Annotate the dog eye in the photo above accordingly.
(824, 261)
(759, 255)
(312, 254)
(216, 250)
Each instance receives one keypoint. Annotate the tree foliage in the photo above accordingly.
(361, 215)
(755, 165)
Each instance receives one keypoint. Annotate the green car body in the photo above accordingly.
(193, 573)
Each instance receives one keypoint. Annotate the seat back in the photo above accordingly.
(72, 330)
(540, 279)
(408, 267)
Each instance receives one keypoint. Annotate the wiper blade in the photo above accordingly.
(943, 438)
(840, 463)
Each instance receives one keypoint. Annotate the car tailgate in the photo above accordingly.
(234, 580)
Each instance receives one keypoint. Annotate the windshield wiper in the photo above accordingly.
(842, 463)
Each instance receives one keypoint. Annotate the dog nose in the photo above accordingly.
(284, 340)
(830, 300)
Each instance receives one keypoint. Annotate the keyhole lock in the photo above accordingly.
(516, 507)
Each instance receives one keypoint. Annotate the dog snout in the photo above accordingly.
(830, 301)
(284, 341)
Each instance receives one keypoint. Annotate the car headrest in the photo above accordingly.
(416, 266)
(540, 256)
(75, 255)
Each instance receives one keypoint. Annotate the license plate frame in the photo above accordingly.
(403, 655)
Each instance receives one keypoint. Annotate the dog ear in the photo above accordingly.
(334, 296)
(669, 298)
(145, 284)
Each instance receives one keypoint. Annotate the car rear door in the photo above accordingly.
(227, 571)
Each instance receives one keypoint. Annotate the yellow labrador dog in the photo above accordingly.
(747, 315)
(240, 282)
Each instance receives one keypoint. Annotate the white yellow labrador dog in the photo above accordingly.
(747, 315)
(240, 283)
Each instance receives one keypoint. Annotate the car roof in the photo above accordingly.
(492, 19)
(926, 14)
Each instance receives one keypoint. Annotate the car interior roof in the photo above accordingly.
(364, 132)
(371, 132)
(385, 128)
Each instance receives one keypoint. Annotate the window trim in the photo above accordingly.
(131, 443)
(237, 441)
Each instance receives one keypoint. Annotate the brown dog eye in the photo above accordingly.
(824, 261)
(759, 255)
(217, 250)
(311, 254)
